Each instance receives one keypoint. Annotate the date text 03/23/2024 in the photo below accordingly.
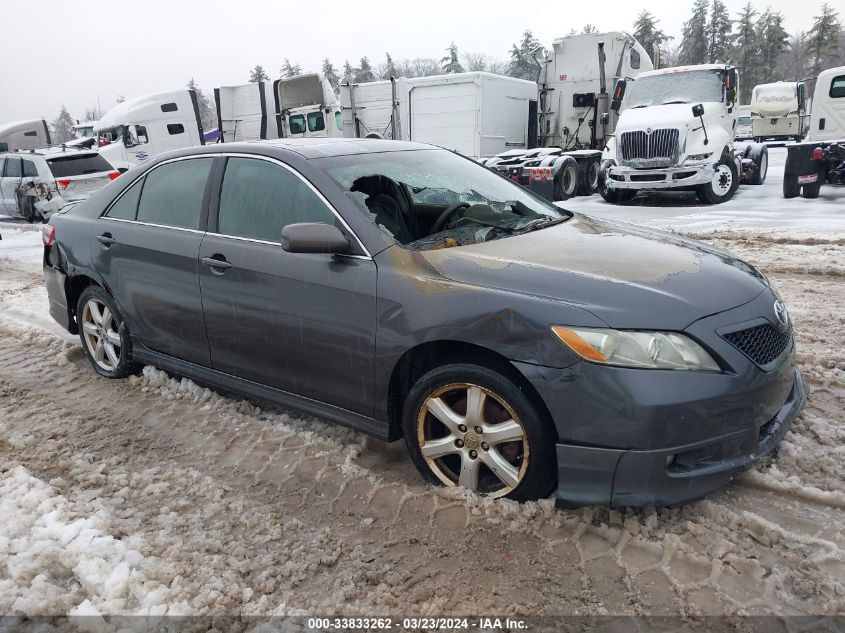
(388, 623)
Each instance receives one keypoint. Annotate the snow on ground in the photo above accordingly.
(199, 502)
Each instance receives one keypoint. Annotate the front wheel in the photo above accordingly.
(104, 335)
(811, 191)
(468, 426)
(722, 185)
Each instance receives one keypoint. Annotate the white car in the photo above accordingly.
(34, 184)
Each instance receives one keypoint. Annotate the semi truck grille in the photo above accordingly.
(761, 343)
(657, 148)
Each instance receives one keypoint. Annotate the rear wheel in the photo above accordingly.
(761, 161)
(722, 185)
(811, 191)
(468, 426)
(566, 180)
(104, 335)
(791, 188)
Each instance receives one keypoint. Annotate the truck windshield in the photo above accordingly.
(695, 86)
(408, 195)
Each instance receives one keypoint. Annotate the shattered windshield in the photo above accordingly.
(696, 86)
(435, 199)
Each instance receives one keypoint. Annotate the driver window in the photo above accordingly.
(297, 124)
(141, 133)
(259, 198)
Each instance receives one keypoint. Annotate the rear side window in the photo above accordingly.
(316, 123)
(837, 87)
(173, 193)
(259, 198)
(297, 124)
(169, 107)
(127, 205)
(13, 168)
(2, 164)
(29, 169)
(66, 166)
(175, 128)
(30, 133)
(635, 59)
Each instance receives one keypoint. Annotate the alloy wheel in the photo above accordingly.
(99, 330)
(722, 181)
(470, 437)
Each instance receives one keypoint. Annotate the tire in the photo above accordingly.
(791, 188)
(724, 183)
(117, 346)
(566, 180)
(761, 160)
(613, 196)
(451, 453)
(811, 191)
(588, 177)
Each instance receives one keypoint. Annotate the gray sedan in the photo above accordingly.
(407, 292)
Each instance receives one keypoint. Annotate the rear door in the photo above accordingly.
(12, 175)
(147, 248)
(300, 322)
(80, 175)
(446, 115)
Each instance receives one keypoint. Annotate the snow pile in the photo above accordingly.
(56, 561)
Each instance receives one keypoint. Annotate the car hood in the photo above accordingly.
(629, 277)
(659, 116)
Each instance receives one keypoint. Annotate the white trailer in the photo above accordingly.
(137, 129)
(301, 106)
(24, 134)
(476, 114)
(779, 111)
(573, 87)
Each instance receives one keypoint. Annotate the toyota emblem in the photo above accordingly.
(782, 316)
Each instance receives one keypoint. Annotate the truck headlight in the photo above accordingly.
(655, 350)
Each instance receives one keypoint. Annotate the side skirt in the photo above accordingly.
(250, 389)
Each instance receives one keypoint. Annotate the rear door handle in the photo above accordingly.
(216, 262)
(106, 239)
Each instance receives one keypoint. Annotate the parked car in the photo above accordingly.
(37, 183)
(516, 347)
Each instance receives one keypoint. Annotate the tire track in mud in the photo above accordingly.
(251, 510)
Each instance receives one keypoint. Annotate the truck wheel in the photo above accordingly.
(811, 191)
(790, 187)
(760, 155)
(722, 185)
(614, 196)
(588, 177)
(566, 180)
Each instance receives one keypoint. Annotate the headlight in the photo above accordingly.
(656, 350)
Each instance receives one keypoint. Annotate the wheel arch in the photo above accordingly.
(432, 354)
(74, 287)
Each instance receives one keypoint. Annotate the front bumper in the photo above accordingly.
(620, 177)
(669, 476)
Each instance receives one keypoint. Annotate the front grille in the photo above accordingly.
(761, 343)
(656, 149)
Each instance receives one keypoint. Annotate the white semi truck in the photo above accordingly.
(24, 135)
(301, 106)
(677, 132)
(820, 159)
(779, 111)
(137, 129)
(477, 114)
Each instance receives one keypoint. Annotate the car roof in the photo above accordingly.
(311, 148)
(50, 152)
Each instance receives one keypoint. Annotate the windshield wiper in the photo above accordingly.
(673, 102)
(540, 223)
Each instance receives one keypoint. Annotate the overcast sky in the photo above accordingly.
(81, 52)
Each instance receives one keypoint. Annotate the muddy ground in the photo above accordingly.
(154, 495)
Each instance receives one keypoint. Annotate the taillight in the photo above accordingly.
(817, 153)
(63, 183)
(113, 175)
(48, 234)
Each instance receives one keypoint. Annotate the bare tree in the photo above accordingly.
(426, 67)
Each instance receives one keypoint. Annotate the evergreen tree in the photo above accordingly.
(772, 42)
(364, 72)
(522, 64)
(93, 114)
(290, 70)
(718, 33)
(746, 52)
(257, 74)
(208, 115)
(794, 61)
(648, 34)
(694, 44)
(450, 62)
(389, 67)
(348, 72)
(823, 40)
(62, 127)
(330, 73)
(590, 28)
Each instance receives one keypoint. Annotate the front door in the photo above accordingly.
(300, 322)
(9, 181)
(147, 251)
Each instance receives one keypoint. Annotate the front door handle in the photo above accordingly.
(218, 263)
(106, 239)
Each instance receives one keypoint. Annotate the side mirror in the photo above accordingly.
(314, 237)
(698, 110)
(604, 118)
(618, 94)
